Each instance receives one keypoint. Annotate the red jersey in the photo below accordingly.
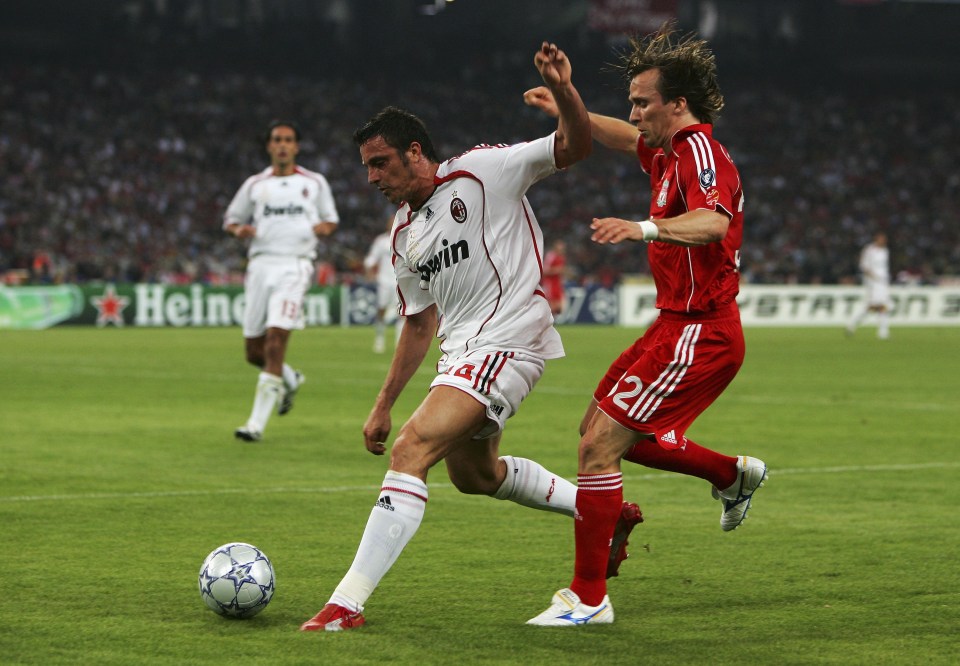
(698, 174)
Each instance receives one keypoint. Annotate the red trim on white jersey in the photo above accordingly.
(536, 250)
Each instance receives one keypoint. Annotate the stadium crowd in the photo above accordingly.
(111, 176)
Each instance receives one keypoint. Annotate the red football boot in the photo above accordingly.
(629, 517)
(333, 618)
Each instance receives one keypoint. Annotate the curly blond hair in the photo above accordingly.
(687, 69)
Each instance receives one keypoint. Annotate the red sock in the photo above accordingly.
(692, 459)
(599, 498)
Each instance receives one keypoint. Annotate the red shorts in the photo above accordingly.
(667, 378)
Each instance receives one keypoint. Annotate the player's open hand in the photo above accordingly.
(541, 98)
(553, 65)
(614, 230)
(376, 430)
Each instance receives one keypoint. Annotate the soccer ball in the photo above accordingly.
(236, 580)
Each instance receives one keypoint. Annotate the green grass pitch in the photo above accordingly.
(119, 473)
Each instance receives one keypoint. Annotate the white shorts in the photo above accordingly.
(274, 289)
(387, 295)
(878, 293)
(500, 380)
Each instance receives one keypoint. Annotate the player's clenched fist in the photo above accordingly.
(553, 65)
(541, 98)
(375, 432)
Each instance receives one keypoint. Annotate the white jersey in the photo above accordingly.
(875, 263)
(380, 256)
(475, 250)
(284, 210)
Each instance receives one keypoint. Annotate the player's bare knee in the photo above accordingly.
(587, 446)
(410, 454)
(595, 454)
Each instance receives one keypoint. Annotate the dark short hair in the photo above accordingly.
(686, 65)
(399, 129)
(274, 124)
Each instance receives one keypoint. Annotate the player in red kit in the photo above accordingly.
(554, 272)
(657, 387)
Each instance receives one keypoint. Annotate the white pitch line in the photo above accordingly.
(849, 469)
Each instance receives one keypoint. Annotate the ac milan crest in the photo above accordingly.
(458, 210)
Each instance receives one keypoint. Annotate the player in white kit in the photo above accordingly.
(467, 254)
(875, 266)
(379, 264)
(282, 209)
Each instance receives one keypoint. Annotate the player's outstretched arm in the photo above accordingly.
(614, 133)
(417, 334)
(611, 132)
(573, 139)
(695, 227)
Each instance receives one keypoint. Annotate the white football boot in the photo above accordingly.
(566, 610)
(751, 473)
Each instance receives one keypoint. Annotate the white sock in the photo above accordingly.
(290, 377)
(393, 521)
(269, 390)
(883, 330)
(530, 484)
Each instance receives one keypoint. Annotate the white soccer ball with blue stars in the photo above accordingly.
(237, 580)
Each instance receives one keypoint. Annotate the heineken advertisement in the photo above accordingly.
(157, 305)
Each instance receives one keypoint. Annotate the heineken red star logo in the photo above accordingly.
(110, 307)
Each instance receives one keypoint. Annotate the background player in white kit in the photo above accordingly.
(379, 265)
(875, 266)
(468, 254)
(283, 209)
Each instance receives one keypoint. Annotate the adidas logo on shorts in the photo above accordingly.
(669, 440)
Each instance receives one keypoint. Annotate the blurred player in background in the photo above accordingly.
(463, 240)
(554, 273)
(875, 266)
(657, 387)
(379, 265)
(282, 209)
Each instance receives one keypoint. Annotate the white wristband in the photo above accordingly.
(650, 230)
